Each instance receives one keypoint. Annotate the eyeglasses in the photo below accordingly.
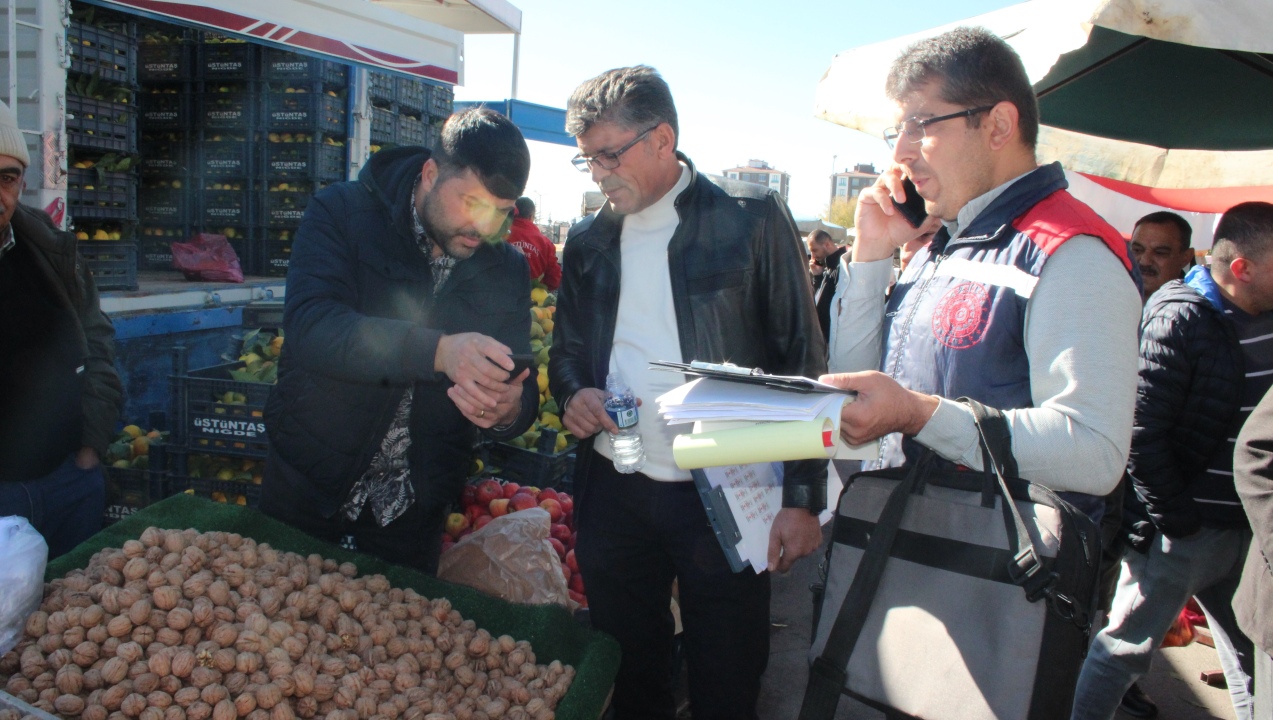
(608, 160)
(913, 128)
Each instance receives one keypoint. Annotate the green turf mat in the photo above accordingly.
(551, 630)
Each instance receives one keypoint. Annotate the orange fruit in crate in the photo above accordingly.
(141, 446)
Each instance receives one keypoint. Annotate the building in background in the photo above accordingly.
(848, 184)
(760, 172)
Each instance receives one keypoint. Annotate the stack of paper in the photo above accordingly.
(737, 423)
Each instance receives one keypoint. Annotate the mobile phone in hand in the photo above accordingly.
(521, 361)
(913, 209)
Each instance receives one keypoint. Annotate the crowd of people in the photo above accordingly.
(1133, 384)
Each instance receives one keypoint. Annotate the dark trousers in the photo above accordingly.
(635, 535)
(65, 506)
(413, 539)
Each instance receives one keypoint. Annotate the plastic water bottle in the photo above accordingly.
(625, 445)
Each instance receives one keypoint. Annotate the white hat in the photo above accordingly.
(11, 141)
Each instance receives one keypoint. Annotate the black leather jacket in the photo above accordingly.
(740, 288)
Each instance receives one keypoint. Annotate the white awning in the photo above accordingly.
(354, 31)
(475, 17)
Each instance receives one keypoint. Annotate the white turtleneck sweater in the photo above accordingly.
(645, 328)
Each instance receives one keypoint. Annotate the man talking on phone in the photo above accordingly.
(1024, 300)
(404, 307)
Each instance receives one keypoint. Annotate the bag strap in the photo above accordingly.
(1026, 569)
(827, 675)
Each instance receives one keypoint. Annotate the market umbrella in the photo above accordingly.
(1175, 95)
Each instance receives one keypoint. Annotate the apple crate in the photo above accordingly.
(227, 158)
(381, 87)
(165, 61)
(165, 154)
(97, 51)
(232, 107)
(166, 110)
(285, 208)
(223, 207)
(411, 130)
(441, 101)
(154, 247)
(225, 58)
(131, 489)
(412, 94)
(159, 202)
(278, 252)
(100, 124)
(285, 65)
(313, 111)
(91, 195)
(306, 160)
(528, 467)
(209, 424)
(384, 126)
(112, 262)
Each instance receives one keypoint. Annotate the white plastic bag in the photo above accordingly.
(23, 554)
(511, 559)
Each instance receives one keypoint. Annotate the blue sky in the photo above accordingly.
(742, 73)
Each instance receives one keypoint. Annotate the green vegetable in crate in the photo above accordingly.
(131, 449)
(259, 355)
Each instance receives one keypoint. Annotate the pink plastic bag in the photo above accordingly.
(207, 257)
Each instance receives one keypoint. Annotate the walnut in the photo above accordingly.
(186, 696)
(223, 660)
(199, 711)
(113, 671)
(70, 680)
(183, 662)
(167, 597)
(137, 568)
(94, 712)
(214, 694)
(129, 652)
(161, 663)
(202, 677)
(68, 704)
(158, 699)
(150, 537)
(85, 654)
(133, 705)
(169, 638)
(224, 635)
(146, 682)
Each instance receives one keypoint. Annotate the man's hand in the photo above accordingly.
(87, 459)
(815, 267)
(477, 364)
(795, 533)
(882, 407)
(586, 414)
(881, 229)
(507, 407)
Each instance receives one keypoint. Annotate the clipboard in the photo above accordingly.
(741, 502)
(749, 376)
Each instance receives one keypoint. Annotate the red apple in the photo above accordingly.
(464, 533)
(554, 509)
(576, 584)
(571, 562)
(565, 571)
(499, 507)
(521, 501)
(561, 549)
(510, 488)
(567, 504)
(547, 494)
(456, 523)
(488, 490)
(447, 544)
(467, 495)
(482, 522)
(534, 491)
(473, 512)
(559, 531)
(578, 597)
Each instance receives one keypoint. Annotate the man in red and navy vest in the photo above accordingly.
(1024, 300)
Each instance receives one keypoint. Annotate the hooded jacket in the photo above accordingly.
(1190, 387)
(362, 324)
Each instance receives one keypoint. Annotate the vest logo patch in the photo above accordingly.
(960, 318)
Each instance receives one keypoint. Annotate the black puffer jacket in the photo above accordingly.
(740, 289)
(1190, 386)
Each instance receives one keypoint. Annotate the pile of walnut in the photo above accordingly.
(189, 626)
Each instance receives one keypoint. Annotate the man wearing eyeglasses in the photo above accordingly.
(676, 266)
(59, 392)
(1024, 299)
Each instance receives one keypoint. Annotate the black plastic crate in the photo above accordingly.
(131, 489)
(294, 67)
(285, 208)
(214, 421)
(164, 154)
(432, 135)
(384, 125)
(227, 157)
(165, 61)
(265, 314)
(166, 110)
(308, 160)
(235, 492)
(222, 207)
(112, 262)
(278, 253)
(163, 203)
(234, 108)
(154, 245)
(101, 125)
(101, 195)
(441, 101)
(381, 87)
(227, 59)
(411, 130)
(312, 111)
(97, 51)
(528, 467)
(412, 94)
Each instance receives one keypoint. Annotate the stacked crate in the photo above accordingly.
(101, 129)
(166, 71)
(305, 120)
(406, 111)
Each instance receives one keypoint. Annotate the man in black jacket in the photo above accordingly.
(1206, 357)
(824, 267)
(674, 267)
(59, 392)
(403, 307)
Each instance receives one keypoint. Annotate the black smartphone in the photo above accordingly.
(913, 209)
(523, 362)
